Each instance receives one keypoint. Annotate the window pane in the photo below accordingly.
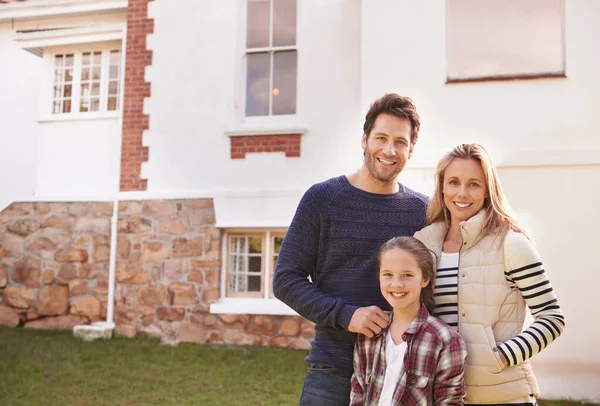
(96, 73)
(255, 245)
(69, 61)
(112, 104)
(254, 283)
(481, 44)
(257, 85)
(115, 58)
(56, 107)
(95, 105)
(114, 72)
(284, 83)
(96, 89)
(284, 22)
(66, 106)
(113, 87)
(238, 244)
(257, 34)
(277, 241)
(69, 75)
(68, 90)
(85, 59)
(254, 264)
(85, 74)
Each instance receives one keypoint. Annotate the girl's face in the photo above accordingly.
(401, 280)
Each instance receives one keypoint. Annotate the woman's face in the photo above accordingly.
(464, 189)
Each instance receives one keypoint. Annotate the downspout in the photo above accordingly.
(105, 329)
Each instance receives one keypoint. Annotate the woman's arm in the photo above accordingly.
(524, 269)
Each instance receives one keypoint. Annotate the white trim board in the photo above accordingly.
(272, 307)
(46, 8)
(69, 36)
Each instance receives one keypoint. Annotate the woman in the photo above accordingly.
(488, 272)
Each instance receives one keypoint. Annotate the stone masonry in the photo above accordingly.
(54, 273)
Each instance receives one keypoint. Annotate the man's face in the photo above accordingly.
(388, 147)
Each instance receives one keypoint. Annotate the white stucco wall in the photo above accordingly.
(45, 156)
(18, 111)
(542, 133)
(78, 158)
(194, 89)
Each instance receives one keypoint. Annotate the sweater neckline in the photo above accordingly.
(401, 189)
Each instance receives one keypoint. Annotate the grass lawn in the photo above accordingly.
(54, 368)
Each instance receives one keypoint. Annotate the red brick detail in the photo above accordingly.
(288, 143)
(137, 57)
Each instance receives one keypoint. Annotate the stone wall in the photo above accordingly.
(54, 264)
(54, 272)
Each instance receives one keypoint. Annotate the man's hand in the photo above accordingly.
(368, 321)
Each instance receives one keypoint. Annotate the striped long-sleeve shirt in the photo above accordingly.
(526, 274)
(525, 271)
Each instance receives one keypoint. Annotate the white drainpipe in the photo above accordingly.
(105, 329)
(110, 309)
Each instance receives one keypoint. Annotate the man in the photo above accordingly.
(334, 238)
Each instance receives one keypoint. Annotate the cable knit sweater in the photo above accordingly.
(334, 239)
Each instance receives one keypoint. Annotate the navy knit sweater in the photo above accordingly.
(334, 238)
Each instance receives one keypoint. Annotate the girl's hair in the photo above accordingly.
(424, 258)
(498, 217)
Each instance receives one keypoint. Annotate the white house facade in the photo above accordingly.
(155, 151)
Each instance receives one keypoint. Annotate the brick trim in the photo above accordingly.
(137, 57)
(288, 143)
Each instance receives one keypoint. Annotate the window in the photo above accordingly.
(86, 81)
(504, 39)
(271, 58)
(251, 260)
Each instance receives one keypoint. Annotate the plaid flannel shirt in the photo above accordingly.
(433, 366)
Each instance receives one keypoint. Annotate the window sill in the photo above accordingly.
(251, 306)
(451, 81)
(80, 117)
(266, 129)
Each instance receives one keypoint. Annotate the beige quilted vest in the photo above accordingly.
(489, 312)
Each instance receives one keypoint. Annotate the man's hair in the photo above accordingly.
(424, 258)
(395, 105)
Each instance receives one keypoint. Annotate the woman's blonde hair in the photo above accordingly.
(498, 219)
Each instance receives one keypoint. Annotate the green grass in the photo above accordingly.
(54, 368)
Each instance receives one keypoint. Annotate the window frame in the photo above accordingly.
(105, 47)
(267, 237)
(243, 70)
(541, 74)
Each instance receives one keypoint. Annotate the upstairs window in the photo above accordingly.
(487, 40)
(271, 58)
(87, 81)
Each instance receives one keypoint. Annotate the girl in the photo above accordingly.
(417, 359)
(488, 274)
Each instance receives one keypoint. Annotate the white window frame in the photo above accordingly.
(264, 303)
(78, 50)
(271, 124)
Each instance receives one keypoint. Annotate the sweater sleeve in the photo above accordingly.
(524, 269)
(298, 258)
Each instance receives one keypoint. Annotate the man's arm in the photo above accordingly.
(298, 256)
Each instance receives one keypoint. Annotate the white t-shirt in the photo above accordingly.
(394, 357)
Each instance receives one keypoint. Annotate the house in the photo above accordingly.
(192, 128)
